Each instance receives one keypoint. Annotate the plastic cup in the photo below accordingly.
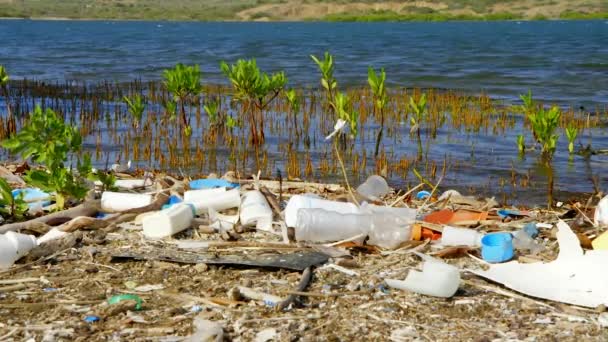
(497, 247)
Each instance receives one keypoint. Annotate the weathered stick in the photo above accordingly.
(304, 281)
(88, 208)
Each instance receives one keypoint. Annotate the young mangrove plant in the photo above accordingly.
(256, 90)
(326, 66)
(184, 82)
(419, 109)
(521, 144)
(136, 107)
(294, 105)
(543, 124)
(13, 207)
(4, 78)
(571, 134)
(377, 84)
(47, 140)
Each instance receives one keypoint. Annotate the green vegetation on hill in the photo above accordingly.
(328, 10)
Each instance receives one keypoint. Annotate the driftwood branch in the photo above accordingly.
(88, 208)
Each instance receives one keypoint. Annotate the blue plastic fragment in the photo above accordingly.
(34, 197)
(196, 308)
(49, 289)
(207, 183)
(504, 213)
(91, 319)
(101, 215)
(497, 247)
(172, 201)
(423, 194)
(530, 229)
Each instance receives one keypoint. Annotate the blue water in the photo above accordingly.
(565, 62)
(561, 62)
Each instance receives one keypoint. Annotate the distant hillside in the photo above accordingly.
(291, 10)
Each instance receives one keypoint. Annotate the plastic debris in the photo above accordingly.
(423, 195)
(574, 277)
(452, 236)
(497, 247)
(168, 221)
(13, 246)
(374, 187)
(205, 330)
(209, 183)
(437, 279)
(119, 298)
(92, 319)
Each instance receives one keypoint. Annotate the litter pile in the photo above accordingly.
(223, 258)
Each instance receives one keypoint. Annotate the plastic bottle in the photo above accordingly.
(217, 201)
(255, 210)
(390, 226)
(13, 246)
(119, 201)
(168, 221)
(374, 187)
(452, 236)
(196, 195)
(298, 202)
(320, 225)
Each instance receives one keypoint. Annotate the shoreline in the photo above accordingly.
(347, 18)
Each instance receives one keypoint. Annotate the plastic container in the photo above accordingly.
(132, 183)
(600, 242)
(523, 241)
(390, 226)
(320, 225)
(437, 279)
(600, 217)
(119, 201)
(298, 202)
(36, 198)
(208, 183)
(255, 210)
(168, 222)
(497, 247)
(13, 246)
(219, 200)
(200, 195)
(452, 236)
(374, 187)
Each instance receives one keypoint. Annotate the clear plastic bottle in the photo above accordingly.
(298, 202)
(374, 187)
(320, 225)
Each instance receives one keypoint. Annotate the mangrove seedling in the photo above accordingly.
(256, 90)
(13, 207)
(212, 110)
(326, 66)
(529, 106)
(4, 78)
(47, 140)
(543, 124)
(419, 110)
(294, 106)
(170, 107)
(521, 144)
(377, 84)
(571, 134)
(344, 111)
(184, 82)
(136, 107)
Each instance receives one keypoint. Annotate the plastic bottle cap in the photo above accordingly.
(497, 247)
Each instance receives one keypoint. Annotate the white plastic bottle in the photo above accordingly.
(298, 202)
(13, 246)
(196, 195)
(320, 225)
(120, 201)
(216, 201)
(168, 221)
(452, 236)
(255, 210)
